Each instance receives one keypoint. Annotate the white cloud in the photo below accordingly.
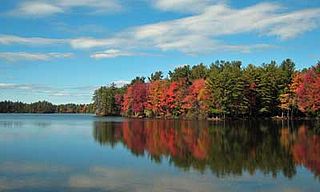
(111, 53)
(12, 39)
(36, 8)
(7, 85)
(25, 56)
(86, 43)
(23, 87)
(121, 83)
(70, 92)
(199, 33)
(192, 6)
(288, 26)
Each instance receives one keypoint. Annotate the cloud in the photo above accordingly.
(15, 86)
(25, 56)
(30, 88)
(13, 39)
(44, 8)
(200, 33)
(193, 6)
(88, 42)
(66, 92)
(84, 91)
(121, 83)
(36, 9)
(112, 53)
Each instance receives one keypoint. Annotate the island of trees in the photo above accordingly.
(224, 89)
(44, 107)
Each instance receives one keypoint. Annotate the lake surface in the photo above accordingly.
(88, 153)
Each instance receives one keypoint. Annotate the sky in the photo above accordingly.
(62, 50)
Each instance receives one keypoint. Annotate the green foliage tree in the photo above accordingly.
(105, 102)
(156, 76)
(179, 73)
(227, 86)
(43, 107)
(138, 79)
(199, 72)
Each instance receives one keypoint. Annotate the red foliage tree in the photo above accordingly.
(139, 97)
(175, 94)
(308, 91)
(134, 100)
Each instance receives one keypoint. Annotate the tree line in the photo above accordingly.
(44, 107)
(223, 89)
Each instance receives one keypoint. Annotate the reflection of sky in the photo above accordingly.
(61, 154)
(39, 176)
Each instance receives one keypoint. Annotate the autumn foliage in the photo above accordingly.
(225, 89)
(308, 90)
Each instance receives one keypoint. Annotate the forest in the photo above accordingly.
(44, 107)
(224, 89)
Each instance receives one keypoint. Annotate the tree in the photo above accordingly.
(134, 99)
(227, 88)
(104, 101)
(139, 96)
(174, 96)
(286, 97)
(286, 102)
(308, 91)
(156, 76)
(288, 70)
(198, 72)
(251, 77)
(196, 102)
(180, 73)
(156, 101)
(269, 88)
(127, 102)
(138, 79)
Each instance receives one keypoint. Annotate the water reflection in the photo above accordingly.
(225, 148)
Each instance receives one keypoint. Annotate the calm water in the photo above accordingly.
(86, 153)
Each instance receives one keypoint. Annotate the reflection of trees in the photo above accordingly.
(224, 148)
(305, 146)
(107, 132)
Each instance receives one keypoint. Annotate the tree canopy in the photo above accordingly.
(224, 89)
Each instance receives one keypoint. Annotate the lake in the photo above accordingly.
(55, 152)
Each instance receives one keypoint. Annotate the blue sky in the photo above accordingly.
(61, 50)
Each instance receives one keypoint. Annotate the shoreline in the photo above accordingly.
(178, 118)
